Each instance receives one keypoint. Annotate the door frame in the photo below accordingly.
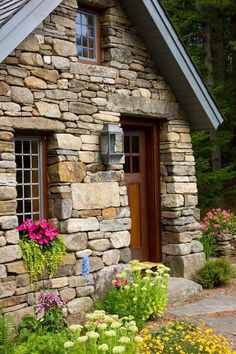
(152, 130)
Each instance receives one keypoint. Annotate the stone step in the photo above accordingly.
(181, 289)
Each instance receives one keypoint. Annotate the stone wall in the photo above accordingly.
(44, 88)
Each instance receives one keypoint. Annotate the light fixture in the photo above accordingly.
(112, 144)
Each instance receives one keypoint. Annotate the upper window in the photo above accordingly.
(87, 36)
(29, 153)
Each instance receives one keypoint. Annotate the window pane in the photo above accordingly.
(127, 164)
(126, 144)
(29, 191)
(135, 144)
(136, 164)
(86, 36)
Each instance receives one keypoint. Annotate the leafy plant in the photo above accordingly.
(183, 337)
(41, 246)
(208, 245)
(215, 273)
(3, 330)
(139, 292)
(103, 333)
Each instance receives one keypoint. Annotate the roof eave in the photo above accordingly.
(23, 23)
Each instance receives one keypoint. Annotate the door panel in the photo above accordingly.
(143, 183)
(135, 178)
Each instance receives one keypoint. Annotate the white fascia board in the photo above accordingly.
(23, 23)
(182, 58)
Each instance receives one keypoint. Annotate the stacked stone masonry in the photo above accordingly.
(44, 88)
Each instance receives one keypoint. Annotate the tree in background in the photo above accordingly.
(208, 29)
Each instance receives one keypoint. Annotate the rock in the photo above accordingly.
(172, 200)
(67, 294)
(10, 253)
(85, 291)
(33, 59)
(45, 74)
(196, 246)
(180, 289)
(67, 171)
(125, 255)
(95, 235)
(35, 83)
(93, 70)
(95, 263)
(69, 116)
(185, 266)
(145, 93)
(37, 123)
(10, 106)
(80, 305)
(18, 314)
(75, 281)
(65, 142)
(99, 245)
(111, 257)
(4, 89)
(30, 44)
(103, 278)
(8, 223)
(64, 48)
(21, 95)
(106, 117)
(63, 208)
(82, 108)
(2, 241)
(182, 188)
(81, 254)
(12, 237)
(221, 303)
(63, 21)
(7, 289)
(190, 200)
(3, 272)
(86, 156)
(50, 110)
(95, 195)
(7, 207)
(172, 237)
(115, 225)
(177, 249)
(109, 213)
(80, 225)
(16, 267)
(17, 71)
(76, 242)
(22, 280)
(120, 239)
(69, 258)
(60, 63)
(61, 95)
(59, 282)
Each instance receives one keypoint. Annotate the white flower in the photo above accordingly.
(133, 329)
(68, 344)
(92, 334)
(116, 325)
(118, 349)
(138, 339)
(102, 326)
(82, 339)
(103, 347)
(75, 327)
(110, 333)
(124, 340)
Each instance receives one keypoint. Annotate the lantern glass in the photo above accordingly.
(112, 144)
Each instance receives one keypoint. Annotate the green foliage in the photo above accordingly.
(144, 295)
(53, 320)
(215, 273)
(184, 337)
(3, 330)
(208, 245)
(38, 258)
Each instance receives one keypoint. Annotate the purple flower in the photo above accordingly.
(48, 300)
(85, 267)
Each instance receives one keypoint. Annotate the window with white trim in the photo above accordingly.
(29, 176)
(87, 36)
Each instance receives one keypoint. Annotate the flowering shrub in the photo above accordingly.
(217, 222)
(41, 247)
(50, 306)
(183, 337)
(103, 333)
(139, 292)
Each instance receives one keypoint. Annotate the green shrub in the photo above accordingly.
(215, 273)
(139, 292)
(3, 330)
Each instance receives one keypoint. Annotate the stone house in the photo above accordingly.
(68, 69)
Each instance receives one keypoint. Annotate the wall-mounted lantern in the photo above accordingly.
(112, 144)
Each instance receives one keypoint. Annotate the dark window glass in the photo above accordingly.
(86, 35)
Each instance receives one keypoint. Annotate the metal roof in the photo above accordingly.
(8, 8)
(18, 18)
(173, 62)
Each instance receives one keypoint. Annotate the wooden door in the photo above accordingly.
(142, 180)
